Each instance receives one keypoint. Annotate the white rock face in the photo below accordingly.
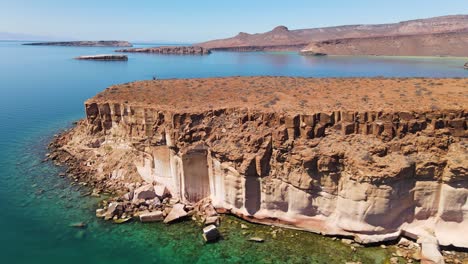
(370, 212)
(354, 174)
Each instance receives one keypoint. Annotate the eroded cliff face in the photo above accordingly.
(438, 44)
(373, 175)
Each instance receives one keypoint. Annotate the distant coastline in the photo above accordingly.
(101, 43)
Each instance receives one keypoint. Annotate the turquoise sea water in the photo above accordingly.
(42, 90)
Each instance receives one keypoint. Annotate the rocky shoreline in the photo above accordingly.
(177, 50)
(104, 57)
(372, 175)
(144, 202)
(293, 47)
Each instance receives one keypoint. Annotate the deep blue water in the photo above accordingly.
(42, 90)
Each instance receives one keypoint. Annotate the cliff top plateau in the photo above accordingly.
(292, 95)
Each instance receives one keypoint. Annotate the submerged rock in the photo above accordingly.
(80, 234)
(79, 225)
(122, 220)
(257, 239)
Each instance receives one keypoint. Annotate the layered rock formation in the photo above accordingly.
(441, 44)
(373, 159)
(285, 39)
(101, 43)
(104, 57)
(179, 50)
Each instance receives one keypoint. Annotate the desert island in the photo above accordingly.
(368, 159)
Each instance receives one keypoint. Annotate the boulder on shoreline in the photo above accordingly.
(210, 233)
(104, 57)
(152, 217)
(177, 212)
(144, 192)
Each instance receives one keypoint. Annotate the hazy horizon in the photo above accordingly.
(206, 20)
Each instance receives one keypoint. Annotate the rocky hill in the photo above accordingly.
(353, 157)
(440, 44)
(297, 39)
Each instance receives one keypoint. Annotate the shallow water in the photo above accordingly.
(42, 90)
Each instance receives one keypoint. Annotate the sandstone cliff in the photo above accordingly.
(369, 158)
(297, 39)
(101, 43)
(179, 50)
(441, 44)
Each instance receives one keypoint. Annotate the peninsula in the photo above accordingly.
(101, 43)
(353, 157)
(179, 50)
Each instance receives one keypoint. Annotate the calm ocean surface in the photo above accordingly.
(42, 90)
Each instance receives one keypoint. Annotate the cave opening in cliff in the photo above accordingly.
(196, 177)
(252, 189)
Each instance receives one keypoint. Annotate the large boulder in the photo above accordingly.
(176, 212)
(212, 220)
(161, 191)
(210, 233)
(144, 192)
(430, 253)
(113, 209)
(152, 217)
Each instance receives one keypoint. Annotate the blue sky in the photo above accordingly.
(199, 20)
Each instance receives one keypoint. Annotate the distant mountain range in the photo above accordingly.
(25, 37)
(281, 38)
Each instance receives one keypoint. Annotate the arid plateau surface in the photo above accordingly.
(373, 159)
